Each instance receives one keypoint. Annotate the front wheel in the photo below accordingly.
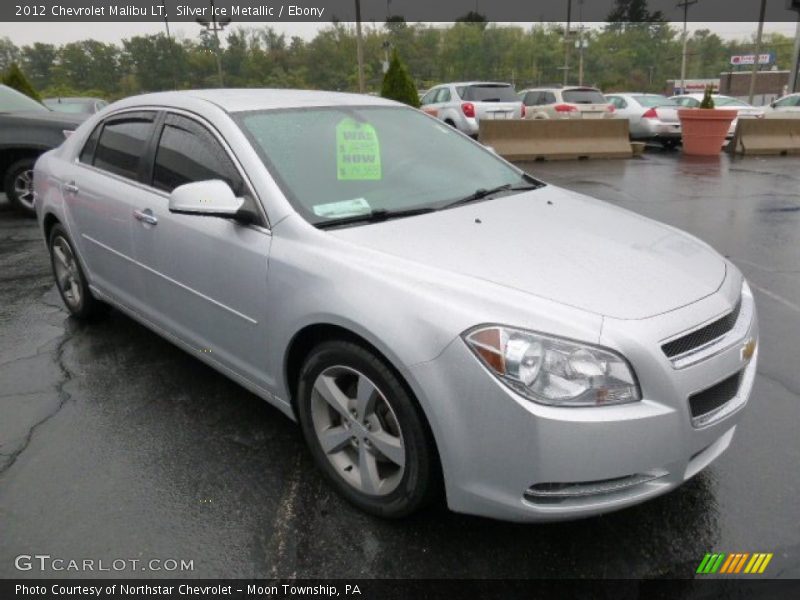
(18, 185)
(364, 430)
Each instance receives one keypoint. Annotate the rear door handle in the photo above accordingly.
(145, 216)
(71, 188)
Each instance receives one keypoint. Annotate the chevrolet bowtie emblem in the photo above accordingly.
(748, 349)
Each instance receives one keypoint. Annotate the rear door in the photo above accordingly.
(428, 102)
(205, 277)
(102, 191)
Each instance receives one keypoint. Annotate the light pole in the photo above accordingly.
(566, 42)
(685, 5)
(216, 26)
(758, 51)
(359, 48)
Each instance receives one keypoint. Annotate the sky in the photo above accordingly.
(58, 33)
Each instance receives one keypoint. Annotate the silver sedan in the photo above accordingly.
(437, 320)
(652, 117)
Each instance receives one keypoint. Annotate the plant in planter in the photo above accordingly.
(704, 128)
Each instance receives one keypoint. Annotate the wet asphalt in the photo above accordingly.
(116, 444)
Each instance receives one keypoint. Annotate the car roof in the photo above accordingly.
(562, 88)
(505, 83)
(240, 100)
(72, 99)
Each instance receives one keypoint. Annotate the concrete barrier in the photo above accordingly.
(526, 140)
(766, 136)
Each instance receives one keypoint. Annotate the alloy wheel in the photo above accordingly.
(358, 431)
(68, 276)
(23, 188)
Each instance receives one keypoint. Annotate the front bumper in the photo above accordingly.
(500, 451)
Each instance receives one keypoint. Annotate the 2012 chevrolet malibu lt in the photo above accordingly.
(434, 318)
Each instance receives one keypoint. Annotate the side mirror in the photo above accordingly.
(212, 198)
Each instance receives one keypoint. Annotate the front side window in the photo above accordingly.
(122, 144)
(343, 161)
(188, 152)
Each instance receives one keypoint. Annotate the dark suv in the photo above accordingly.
(27, 129)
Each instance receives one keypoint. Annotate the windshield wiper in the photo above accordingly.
(375, 216)
(481, 193)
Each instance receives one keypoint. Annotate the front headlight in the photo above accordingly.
(552, 370)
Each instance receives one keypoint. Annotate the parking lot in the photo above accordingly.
(116, 444)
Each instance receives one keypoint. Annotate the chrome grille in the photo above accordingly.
(704, 335)
(714, 397)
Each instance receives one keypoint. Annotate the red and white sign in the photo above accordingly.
(749, 59)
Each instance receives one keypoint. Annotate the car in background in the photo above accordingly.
(27, 129)
(565, 102)
(463, 105)
(788, 104)
(743, 108)
(81, 106)
(651, 117)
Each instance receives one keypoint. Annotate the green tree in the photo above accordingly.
(397, 83)
(15, 78)
(38, 61)
(9, 53)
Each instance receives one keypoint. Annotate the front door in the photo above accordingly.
(205, 277)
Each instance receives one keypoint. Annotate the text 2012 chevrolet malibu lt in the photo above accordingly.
(431, 315)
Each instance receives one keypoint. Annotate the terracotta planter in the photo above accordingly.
(704, 129)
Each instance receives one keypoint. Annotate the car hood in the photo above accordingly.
(558, 245)
(68, 121)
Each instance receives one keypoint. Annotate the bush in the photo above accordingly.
(398, 84)
(708, 101)
(15, 78)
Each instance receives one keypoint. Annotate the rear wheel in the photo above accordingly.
(669, 144)
(364, 430)
(18, 185)
(70, 279)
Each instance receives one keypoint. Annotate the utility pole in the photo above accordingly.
(581, 45)
(215, 27)
(795, 59)
(566, 42)
(685, 5)
(359, 48)
(754, 72)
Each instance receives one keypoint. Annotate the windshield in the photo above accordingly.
(343, 161)
(13, 101)
(583, 96)
(489, 93)
(70, 106)
(725, 101)
(654, 101)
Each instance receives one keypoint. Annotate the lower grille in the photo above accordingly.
(717, 395)
(559, 492)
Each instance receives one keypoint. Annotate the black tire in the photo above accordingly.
(83, 305)
(420, 474)
(669, 144)
(18, 171)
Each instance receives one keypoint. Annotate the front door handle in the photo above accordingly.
(145, 216)
(71, 188)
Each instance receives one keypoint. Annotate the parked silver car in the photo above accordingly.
(651, 117)
(742, 108)
(463, 105)
(427, 311)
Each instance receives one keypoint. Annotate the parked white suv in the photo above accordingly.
(565, 103)
(463, 105)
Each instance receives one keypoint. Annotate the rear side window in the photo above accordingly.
(122, 144)
(532, 98)
(87, 154)
(654, 101)
(444, 95)
(547, 98)
(583, 96)
(490, 93)
(188, 152)
(428, 98)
